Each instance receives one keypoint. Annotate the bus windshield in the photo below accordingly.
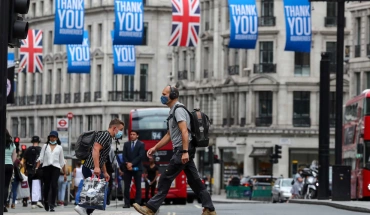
(151, 124)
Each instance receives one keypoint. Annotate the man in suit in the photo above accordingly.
(133, 154)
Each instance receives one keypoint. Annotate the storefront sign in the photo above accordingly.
(285, 141)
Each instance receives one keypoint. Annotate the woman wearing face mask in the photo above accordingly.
(52, 160)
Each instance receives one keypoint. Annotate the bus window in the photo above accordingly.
(367, 107)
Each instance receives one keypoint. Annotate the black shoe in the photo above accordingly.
(46, 206)
(5, 209)
(52, 209)
(126, 206)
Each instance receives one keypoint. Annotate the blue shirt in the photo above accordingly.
(9, 153)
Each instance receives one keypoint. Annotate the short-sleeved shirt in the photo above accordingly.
(175, 133)
(151, 172)
(297, 186)
(104, 139)
(9, 153)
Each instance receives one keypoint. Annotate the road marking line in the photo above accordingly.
(197, 206)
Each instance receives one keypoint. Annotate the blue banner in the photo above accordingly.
(69, 21)
(10, 59)
(79, 56)
(298, 25)
(129, 24)
(243, 24)
(124, 58)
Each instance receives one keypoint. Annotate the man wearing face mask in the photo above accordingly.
(182, 159)
(95, 163)
(133, 154)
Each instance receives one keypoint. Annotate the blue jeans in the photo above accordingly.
(15, 184)
(62, 185)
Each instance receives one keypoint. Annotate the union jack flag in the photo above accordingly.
(31, 52)
(185, 23)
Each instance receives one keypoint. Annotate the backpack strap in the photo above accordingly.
(173, 116)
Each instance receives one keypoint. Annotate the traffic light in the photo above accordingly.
(273, 159)
(277, 151)
(18, 29)
(23, 147)
(16, 143)
(215, 159)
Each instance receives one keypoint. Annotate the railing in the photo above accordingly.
(39, 99)
(58, 99)
(97, 96)
(368, 49)
(357, 50)
(266, 21)
(302, 122)
(263, 121)
(67, 98)
(30, 100)
(205, 73)
(48, 99)
(87, 97)
(233, 70)
(331, 21)
(77, 98)
(182, 75)
(22, 100)
(143, 96)
(265, 68)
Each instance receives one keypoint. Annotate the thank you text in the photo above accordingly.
(79, 56)
(124, 58)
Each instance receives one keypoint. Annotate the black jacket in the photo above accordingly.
(135, 157)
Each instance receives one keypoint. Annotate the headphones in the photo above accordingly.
(173, 94)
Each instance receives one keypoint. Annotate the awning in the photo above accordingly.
(260, 152)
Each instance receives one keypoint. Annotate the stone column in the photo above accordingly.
(275, 108)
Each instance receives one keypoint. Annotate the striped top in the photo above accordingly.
(104, 139)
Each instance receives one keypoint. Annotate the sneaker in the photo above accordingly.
(13, 206)
(80, 210)
(143, 209)
(34, 207)
(39, 204)
(207, 212)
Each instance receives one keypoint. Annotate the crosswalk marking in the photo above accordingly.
(169, 213)
(197, 206)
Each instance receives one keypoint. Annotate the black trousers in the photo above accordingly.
(127, 177)
(50, 179)
(172, 171)
(8, 177)
(151, 188)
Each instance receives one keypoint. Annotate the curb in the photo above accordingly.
(334, 205)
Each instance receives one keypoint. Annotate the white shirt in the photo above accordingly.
(52, 158)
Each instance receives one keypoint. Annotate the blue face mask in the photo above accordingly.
(53, 143)
(164, 100)
(119, 134)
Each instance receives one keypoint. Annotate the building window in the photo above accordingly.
(264, 108)
(33, 9)
(14, 126)
(367, 80)
(143, 80)
(50, 44)
(331, 9)
(99, 77)
(331, 47)
(267, 8)
(42, 7)
(59, 81)
(301, 109)
(266, 52)
(358, 83)
(114, 79)
(358, 38)
(31, 124)
(52, 126)
(23, 126)
(89, 33)
(332, 108)
(145, 34)
(42, 127)
(100, 34)
(206, 15)
(41, 88)
(128, 87)
(184, 60)
(192, 69)
(205, 63)
(301, 64)
(50, 80)
(34, 88)
(89, 122)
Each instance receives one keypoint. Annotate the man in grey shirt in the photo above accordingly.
(182, 159)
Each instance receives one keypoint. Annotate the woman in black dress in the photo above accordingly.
(151, 175)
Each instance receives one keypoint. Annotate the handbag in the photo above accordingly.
(17, 174)
(92, 193)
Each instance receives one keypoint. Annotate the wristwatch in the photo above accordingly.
(184, 151)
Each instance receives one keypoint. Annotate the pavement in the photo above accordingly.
(357, 206)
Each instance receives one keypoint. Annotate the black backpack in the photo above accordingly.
(199, 123)
(31, 155)
(84, 144)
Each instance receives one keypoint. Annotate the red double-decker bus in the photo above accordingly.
(356, 143)
(151, 124)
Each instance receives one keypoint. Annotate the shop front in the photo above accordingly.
(261, 160)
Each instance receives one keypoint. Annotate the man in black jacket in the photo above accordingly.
(133, 154)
